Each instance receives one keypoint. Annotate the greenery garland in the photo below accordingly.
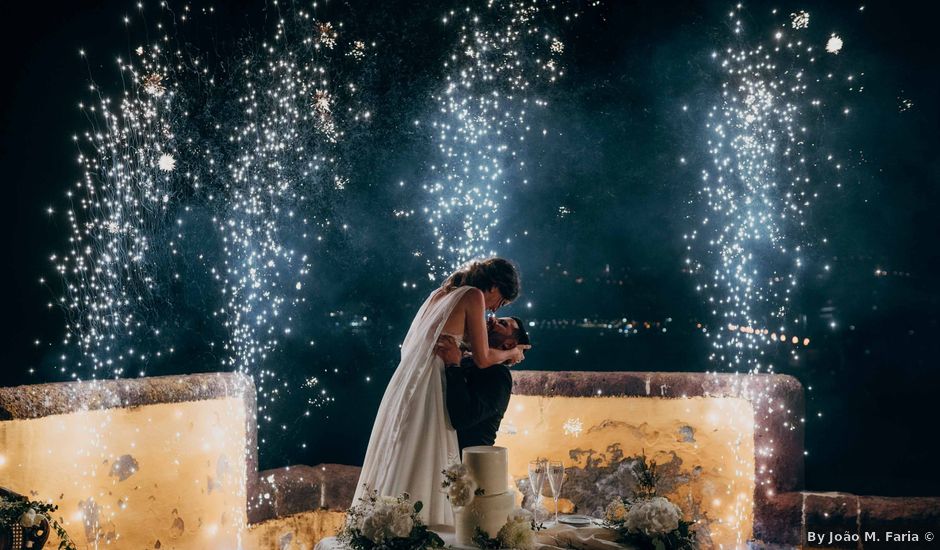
(16, 509)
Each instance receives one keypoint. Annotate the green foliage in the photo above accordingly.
(647, 478)
(683, 538)
(12, 509)
(420, 538)
(483, 541)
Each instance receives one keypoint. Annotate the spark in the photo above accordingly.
(573, 427)
(500, 66)
(799, 20)
(834, 44)
(764, 171)
(166, 163)
(258, 151)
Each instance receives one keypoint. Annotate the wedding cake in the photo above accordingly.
(490, 508)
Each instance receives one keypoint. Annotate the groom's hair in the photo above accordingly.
(520, 334)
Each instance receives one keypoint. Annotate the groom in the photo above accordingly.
(477, 398)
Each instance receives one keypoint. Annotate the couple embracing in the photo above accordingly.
(450, 389)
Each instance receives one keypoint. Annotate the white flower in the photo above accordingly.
(460, 485)
(402, 522)
(30, 519)
(656, 516)
(461, 492)
(389, 519)
(166, 163)
(517, 535)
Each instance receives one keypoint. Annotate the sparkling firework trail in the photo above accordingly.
(504, 60)
(767, 167)
(766, 170)
(283, 163)
(254, 152)
(122, 203)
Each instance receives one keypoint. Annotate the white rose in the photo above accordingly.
(376, 525)
(656, 516)
(30, 519)
(401, 524)
(458, 470)
(517, 535)
(389, 519)
(462, 491)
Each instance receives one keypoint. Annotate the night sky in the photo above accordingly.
(597, 232)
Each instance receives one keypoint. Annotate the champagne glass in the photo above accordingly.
(556, 477)
(537, 471)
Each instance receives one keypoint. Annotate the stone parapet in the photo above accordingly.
(295, 489)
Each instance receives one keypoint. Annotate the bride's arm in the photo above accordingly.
(483, 355)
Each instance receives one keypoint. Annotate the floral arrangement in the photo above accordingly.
(387, 523)
(29, 514)
(459, 485)
(518, 533)
(646, 520)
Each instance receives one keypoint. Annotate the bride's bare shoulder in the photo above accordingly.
(472, 295)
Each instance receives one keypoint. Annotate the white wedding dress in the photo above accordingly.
(412, 439)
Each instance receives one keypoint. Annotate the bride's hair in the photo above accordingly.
(485, 274)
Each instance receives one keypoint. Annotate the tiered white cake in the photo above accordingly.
(489, 467)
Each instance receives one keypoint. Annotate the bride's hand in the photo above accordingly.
(517, 355)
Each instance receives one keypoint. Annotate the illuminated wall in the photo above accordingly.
(150, 474)
(701, 454)
(171, 462)
(711, 441)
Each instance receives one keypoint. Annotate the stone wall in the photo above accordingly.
(701, 430)
(146, 463)
(171, 462)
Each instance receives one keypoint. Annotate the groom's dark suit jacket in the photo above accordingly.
(476, 401)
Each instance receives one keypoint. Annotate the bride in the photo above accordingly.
(412, 440)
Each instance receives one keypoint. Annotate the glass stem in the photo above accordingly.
(556, 510)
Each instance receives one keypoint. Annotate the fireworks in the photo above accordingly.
(122, 203)
(261, 162)
(166, 163)
(503, 60)
(326, 35)
(764, 173)
(834, 44)
(799, 20)
(283, 164)
(153, 84)
(358, 50)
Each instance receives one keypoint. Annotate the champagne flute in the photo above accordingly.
(556, 477)
(537, 472)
